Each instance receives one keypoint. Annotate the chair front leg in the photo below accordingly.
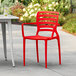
(45, 53)
(59, 50)
(37, 51)
(23, 51)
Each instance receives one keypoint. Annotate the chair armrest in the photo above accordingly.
(26, 24)
(58, 24)
(55, 29)
(34, 23)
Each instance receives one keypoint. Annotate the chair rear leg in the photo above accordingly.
(23, 51)
(37, 51)
(45, 53)
(59, 50)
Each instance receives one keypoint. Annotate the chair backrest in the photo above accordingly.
(47, 20)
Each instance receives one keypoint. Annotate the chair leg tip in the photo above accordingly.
(5, 59)
(14, 66)
(24, 65)
(38, 61)
(46, 67)
(59, 63)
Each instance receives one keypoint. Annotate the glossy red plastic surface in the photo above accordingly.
(45, 21)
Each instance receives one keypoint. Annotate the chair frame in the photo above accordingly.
(37, 37)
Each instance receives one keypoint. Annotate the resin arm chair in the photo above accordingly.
(45, 21)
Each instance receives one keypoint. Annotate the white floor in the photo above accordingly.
(32, 68)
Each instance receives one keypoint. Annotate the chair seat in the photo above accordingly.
(37, 37)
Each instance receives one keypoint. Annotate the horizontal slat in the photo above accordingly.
(54, 12)
(48, 19)
(47, 23)
(46, 15)
(45, 29)
(44, 26)
(49, 12)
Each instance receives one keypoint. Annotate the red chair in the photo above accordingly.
(45, 21)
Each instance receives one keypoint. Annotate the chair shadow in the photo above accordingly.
(7, 65)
